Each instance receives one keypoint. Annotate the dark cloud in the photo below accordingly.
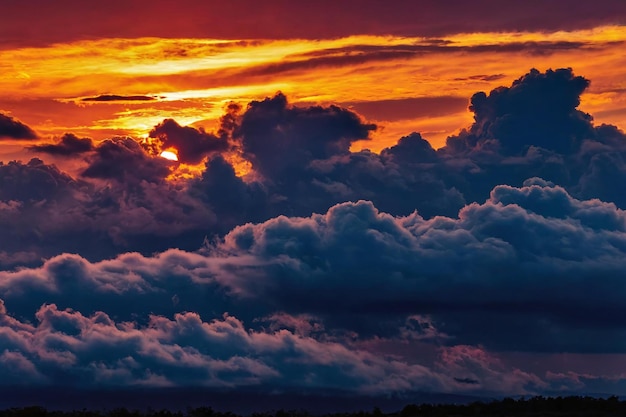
(526, 255)
(277, 137)
(310, 296)
(187, 351)
(46, 211)
(539, 109)
(302, 156)
(526, 251)
(534, 128)
(524, 258)
(115, 97)
(228, 195)
(530, 129)
(466, 381)
(69, 145)
(31, 182)
(481, 77)
(192, 145)
(123, 159)
(368, 272)
(14, 129)
(301, 164)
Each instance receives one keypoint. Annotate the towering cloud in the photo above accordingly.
(537, 110)
(278, 138)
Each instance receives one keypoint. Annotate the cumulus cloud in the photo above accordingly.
(70, 349)
(33, 181)
(511, 237)
(277, 137)
(527, 255)
(46, 211)
(123, 159)
(302, 164)
(539, 110)
(531, 246)
(189, 351)
(192, 145)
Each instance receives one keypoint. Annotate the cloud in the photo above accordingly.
(14, 129)
(276, 136)
(123, 159)
(537, 110)
(526, 255)
(482, 77)
(68, 145)
(45, 211)
(302, 164)
(364, 54)
(33, 181)
(428, 19)
(95, 350)
(116, 97)
(534, 128)
(525, 247)
(69, 349)
(192, 145)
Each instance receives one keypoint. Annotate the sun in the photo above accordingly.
(169, 155)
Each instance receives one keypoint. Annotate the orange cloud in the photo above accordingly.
(402, 83)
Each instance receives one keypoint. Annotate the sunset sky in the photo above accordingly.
(365, 198)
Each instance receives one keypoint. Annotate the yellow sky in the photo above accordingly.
(191, 80)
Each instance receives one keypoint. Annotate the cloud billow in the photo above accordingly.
(537, 110)
(531, 246)
(526, 254)
(302, 164)
(277, 137)
(510, 238)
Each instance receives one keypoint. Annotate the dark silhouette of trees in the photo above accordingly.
(574, 406)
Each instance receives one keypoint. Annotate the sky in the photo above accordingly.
(372, 200)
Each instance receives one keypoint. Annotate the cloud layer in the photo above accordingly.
(283, 20)
(410, 269)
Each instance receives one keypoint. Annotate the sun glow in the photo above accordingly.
(169, 155)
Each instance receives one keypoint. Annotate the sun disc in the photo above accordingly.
(169, 155)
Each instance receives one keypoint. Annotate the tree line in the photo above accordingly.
(573, 406)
